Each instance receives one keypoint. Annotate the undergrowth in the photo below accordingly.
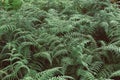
(59, 40)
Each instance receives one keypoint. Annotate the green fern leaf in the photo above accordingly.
(115, 74)
(45, 55)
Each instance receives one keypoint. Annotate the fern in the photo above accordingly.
(115, 74)
(85, 75)
(45, 55)
(59, 40)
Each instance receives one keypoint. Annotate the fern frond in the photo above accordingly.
(7, 28)
(115, 74)
(61, 78)
(110, 48)
(47, 74)
(85, 75)
(45, 55)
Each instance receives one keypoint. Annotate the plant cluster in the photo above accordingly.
(59, 40)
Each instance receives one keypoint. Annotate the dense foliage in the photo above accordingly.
(59, 40)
